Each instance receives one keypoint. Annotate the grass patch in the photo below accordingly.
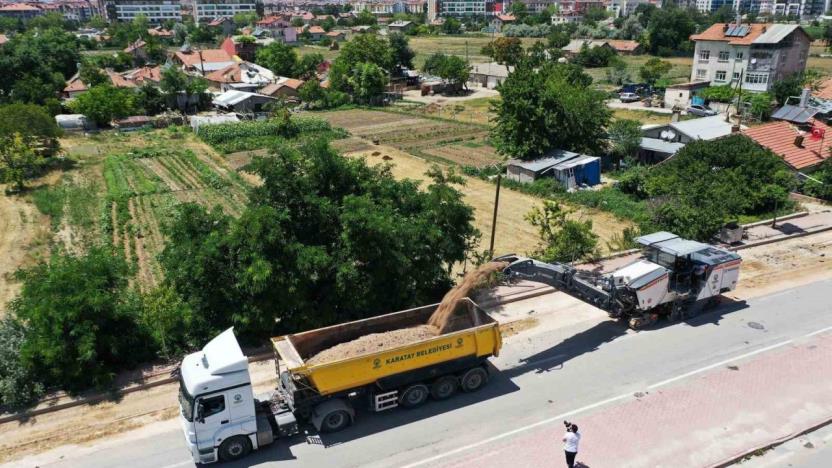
(50, 201)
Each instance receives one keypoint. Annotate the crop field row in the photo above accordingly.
(125, 187)
(441, 140)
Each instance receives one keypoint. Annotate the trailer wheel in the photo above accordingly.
(443, 388)
(235, 448)
(414, 395)
(474, 379)
(335, 421)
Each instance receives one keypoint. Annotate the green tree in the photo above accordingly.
(365, 18)
(455, 71)
(19, 384)
(549, 108)
(562, 239)
(451, 26)
(654, 69)
(311, 93)
(519, 10)
(785, 88)
(92, 75)
(366, 48)
(103, 103)
(506, 51)
(669, 29)
(80, 323)
(17, 161)
(307, 66)
(708, 183)
(36, 64)
(150, 100)
(625, 139)
(819, 184)
(279, 58)
(34, 123)
(367, 81)
(594, 57)
(323, 240)
(401, 51)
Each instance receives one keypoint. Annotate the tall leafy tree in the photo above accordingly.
(324, 239)
(549, 108)
(625, 139)
(17, 161)
(401, 51)
(669, 29)
(103, 103)
(33, 123)
(367, 81)
(562, 239)
(80, 325)
(654, 69)
(279, 58)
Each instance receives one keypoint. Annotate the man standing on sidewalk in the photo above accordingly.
(570, 443)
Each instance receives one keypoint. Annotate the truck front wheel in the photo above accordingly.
(474, 379)
(235, 448)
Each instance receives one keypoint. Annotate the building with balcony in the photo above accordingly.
(207, 10)
(156, 11)
(757, 54)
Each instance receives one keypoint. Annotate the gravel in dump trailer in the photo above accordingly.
(374, 343)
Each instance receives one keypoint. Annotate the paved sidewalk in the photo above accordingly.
(699, 421)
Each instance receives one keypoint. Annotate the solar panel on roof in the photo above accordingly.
(737, 31)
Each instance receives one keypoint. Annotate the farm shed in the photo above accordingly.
(488, 75)
(653, 150)
(685, 131)
(570, 169)
(681, 94)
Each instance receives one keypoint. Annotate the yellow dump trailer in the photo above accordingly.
(404, 376)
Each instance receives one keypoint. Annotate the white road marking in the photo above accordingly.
(818, 332)
(719, 364)
(562, 416)
(559, 417)
(177, 465)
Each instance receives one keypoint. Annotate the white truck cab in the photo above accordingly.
(218, 409)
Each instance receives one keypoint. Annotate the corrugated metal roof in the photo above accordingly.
(491, 69)
(661, 146)
(551, 159)
(234, 97)
(660, 236)
(775, 33)
(574, 162)
(703, 128)
(794, 114)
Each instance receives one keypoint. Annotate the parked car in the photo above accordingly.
(701, 111)
(628, 97)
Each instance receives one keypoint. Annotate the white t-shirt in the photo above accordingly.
(571, 441)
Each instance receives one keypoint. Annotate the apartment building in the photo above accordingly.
(462, 8)
(156, 11)
(207, 10)
(757, 54)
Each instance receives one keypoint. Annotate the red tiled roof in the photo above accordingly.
(717, 33)
(218, 21)
(292, 83)
(135, 46)
(229, 74)
(505, 18)
(824, 90)
(140, 75)
(75, 85)
(334, 33)
(160, 32)
(623, 45)
(19, 7)
(119, 81)
(208, 56)
(316, 30)
(779, 138)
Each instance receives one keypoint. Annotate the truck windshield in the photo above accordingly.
(186, 401)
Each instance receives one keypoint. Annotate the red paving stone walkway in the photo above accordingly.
(698, 421)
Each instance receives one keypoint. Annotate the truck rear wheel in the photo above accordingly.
(335, 421)
(414, 395)
(444, 387)
(474, 379)
(235, 448)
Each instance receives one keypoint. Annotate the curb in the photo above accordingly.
(772, 240)
(799, 214)
(739, 458)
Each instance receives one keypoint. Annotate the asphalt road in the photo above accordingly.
(542, 374)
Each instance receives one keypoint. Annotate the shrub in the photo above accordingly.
(19, 385)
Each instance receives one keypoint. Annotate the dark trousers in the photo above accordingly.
(570, 458)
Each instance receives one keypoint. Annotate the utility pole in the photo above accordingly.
(494, 218)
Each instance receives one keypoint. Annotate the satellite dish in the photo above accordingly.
(667, 135)
(753, 61)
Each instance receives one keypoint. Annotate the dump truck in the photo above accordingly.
(674, 277)
(222, 419)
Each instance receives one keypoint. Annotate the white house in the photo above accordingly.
(759, 54)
